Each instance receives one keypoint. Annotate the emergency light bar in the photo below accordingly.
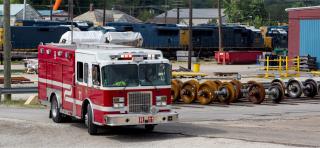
(140, 56)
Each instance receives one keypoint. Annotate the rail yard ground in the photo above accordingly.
(292, 123)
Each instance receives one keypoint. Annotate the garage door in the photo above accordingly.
(310, 39)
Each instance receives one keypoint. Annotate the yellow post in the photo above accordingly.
(298, 65)
(267, 68)
(287, 66)
(280, 66)
(196, 67)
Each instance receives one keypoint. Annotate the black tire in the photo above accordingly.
(92, 128)
(149, 127)
(279, 97)
(313, 90)
(297, 92)
(55, 110)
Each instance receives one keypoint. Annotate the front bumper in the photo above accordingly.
(140, 119)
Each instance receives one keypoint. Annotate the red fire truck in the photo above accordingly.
(105, 85)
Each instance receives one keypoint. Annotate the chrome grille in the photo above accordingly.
(139, 102)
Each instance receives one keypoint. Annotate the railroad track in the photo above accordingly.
(19, 90)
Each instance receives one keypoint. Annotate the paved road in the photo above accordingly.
(295, 123)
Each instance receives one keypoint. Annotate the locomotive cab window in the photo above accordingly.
(168, 32)
(79, 71)
(96, 75)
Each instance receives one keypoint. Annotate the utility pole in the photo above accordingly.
(178, 4)
(7, 48)
(51, 7)
(269, 19)
(166, 12)
(24, 9)
(178, 15)
(104, 12)
(71, 18)
(220, 27)
(69, 11)
(190, 35)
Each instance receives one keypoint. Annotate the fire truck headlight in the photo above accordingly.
(118, 102)
(161, 100)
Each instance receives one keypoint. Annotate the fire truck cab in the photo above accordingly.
(105, 84)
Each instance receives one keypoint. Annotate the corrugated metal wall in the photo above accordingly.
(310, 38)
(305, 16)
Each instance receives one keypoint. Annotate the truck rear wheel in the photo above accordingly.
(55, 110)
(92, 128)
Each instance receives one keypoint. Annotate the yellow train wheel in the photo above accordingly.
(229, 91)
(175, 89)
(237, 86)
(189, 91)
(206, 92)
(219, 83)
(256, 93)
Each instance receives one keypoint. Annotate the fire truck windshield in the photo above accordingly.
(133, 75)
(120, 75)
(154, 74)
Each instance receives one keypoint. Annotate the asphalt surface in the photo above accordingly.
(295, 123)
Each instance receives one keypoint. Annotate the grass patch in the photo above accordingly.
(14, 71)
(20, 103)
(17, 62)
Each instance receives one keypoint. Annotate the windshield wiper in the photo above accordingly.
(124, 88)
(155, 87)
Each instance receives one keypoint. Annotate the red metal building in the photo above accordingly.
(304, 31)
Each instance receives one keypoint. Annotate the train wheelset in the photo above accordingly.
(230, 92)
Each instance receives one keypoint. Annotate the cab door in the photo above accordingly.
(81, 91)
(94, 92)
(85, 81)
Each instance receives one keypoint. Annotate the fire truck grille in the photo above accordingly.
(139, 102)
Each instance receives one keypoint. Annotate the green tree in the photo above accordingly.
(145, 15)
(243, 11)
(276, 8)
(251, 12)
(258, 13)
(232, 10)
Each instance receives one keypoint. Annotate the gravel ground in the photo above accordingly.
(22, 133)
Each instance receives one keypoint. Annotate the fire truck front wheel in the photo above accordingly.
(92, 128)
(55, 110)
(149, 127)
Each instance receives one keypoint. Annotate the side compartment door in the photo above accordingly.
(56, 77)
(42, 84)
(68, 87)
(49, 76)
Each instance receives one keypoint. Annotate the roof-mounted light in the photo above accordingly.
(153, 56)
(48, 51)
(60, 53)
(134, 56)
(41, 50)
(67, 55)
